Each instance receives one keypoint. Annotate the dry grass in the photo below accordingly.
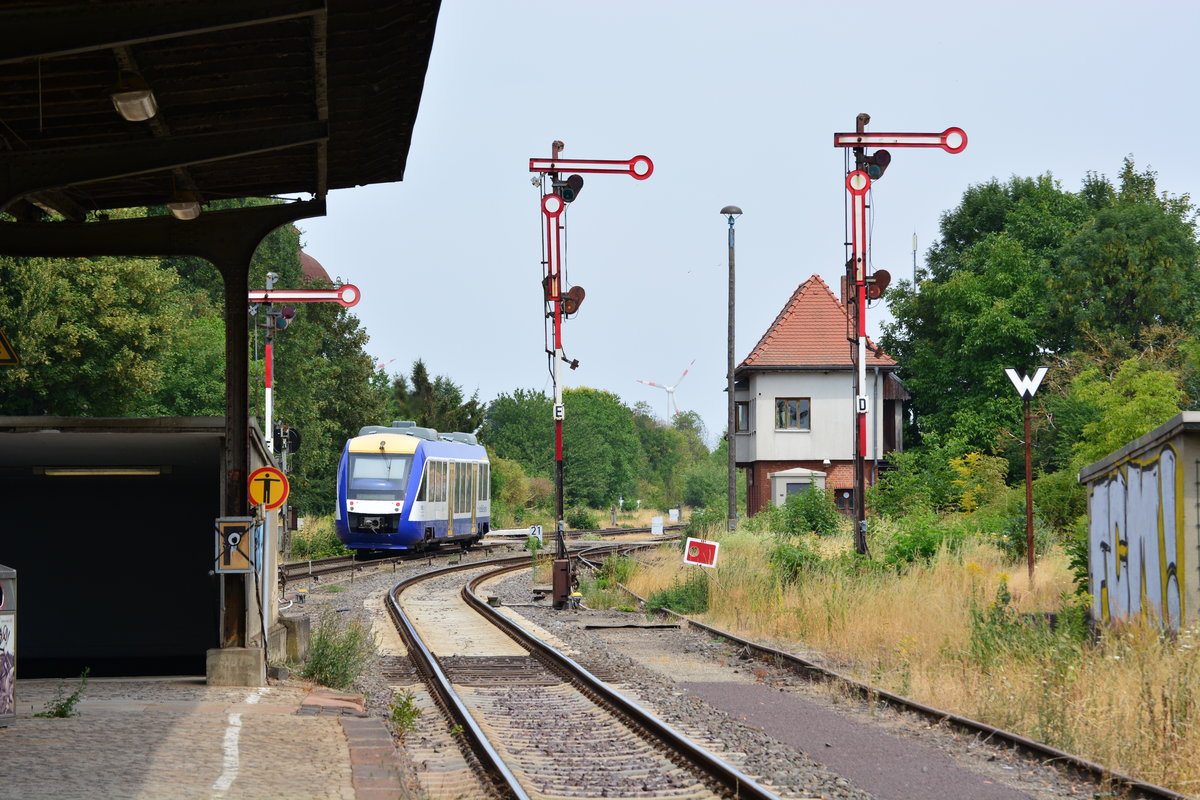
(1131, 701)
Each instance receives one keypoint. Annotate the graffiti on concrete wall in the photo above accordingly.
(1135, 539)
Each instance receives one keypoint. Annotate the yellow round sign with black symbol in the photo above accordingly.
(268, 487)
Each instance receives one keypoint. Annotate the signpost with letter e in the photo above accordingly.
(1027, 386)
(869, 167)
(557, 193)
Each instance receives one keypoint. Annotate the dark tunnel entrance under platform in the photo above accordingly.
(109, 524)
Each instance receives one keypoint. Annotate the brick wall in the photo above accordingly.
(838, 475)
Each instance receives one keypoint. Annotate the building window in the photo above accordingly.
(741, 417)
(791, 413)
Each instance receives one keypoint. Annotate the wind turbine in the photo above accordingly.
(670, 390)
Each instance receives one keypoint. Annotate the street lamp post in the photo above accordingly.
(732, 212)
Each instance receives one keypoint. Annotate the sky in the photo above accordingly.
(735, 103)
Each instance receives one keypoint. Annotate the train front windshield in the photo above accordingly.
(378, 476)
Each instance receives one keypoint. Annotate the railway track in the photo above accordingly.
(537, 724)
(321, 567)
(1122, 785)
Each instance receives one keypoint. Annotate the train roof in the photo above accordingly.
(385, 441)
(398, 442)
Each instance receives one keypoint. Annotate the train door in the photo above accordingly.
(451, 496)
(473, 494)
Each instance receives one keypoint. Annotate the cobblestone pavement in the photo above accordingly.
(178, 739)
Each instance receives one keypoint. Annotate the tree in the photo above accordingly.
(1133, 266)
(92, 333)
(1137, 398)
(954, 339)
(434, 404)
(520, 426)
(600, 448)
(1025, 274)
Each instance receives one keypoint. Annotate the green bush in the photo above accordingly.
(918, 479)
(615, 569)
(704, 521)
(811, 511)
(686, 596)
(337, 651)
(581, 519)
(705, 483)
(1077, 550)
(1059, 498)
(1000, 633)
(63, 705)
(1010, 536)
(317, 539)
(919, 537)
(792, 556)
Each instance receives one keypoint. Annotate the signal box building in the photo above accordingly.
(794, 403)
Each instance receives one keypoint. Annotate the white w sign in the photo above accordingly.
(1026, 385)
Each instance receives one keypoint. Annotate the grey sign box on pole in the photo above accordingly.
(8, 644)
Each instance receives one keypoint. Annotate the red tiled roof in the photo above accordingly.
(810, 331)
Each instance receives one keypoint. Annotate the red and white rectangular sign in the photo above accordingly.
(698, 551)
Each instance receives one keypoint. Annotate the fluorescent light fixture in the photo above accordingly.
(184, 205)
(87, 471)
(132, 97)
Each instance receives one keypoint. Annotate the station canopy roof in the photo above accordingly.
(254, 98)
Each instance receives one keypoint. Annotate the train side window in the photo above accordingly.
(485, 481)
(424, 482)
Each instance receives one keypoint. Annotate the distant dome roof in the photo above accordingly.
(312, 269)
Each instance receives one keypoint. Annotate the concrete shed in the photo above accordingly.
(1144, 526)
(110, 524)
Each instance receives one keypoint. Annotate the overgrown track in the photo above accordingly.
(524, 728)
(814, 672)
(320, 567)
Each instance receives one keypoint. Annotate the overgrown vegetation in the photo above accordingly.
(951, 619)
(687, 594)
(316, 539)
(63, 705)
(338, 651)
(403, 712)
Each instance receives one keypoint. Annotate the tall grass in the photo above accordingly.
(963, 629)
(338, 651)
(317, 539)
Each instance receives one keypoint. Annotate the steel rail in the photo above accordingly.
(724, 774)
(813, 671)
(486, 755)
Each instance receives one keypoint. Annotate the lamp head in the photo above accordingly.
(184, 205)
(132, 97)
(731, 211)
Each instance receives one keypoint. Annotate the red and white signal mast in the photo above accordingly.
(556, 193)
(858, 183)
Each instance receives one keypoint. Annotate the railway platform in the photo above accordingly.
(179, 739)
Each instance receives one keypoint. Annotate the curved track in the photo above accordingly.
(538, 724)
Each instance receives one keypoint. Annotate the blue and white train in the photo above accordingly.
(409, 488)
